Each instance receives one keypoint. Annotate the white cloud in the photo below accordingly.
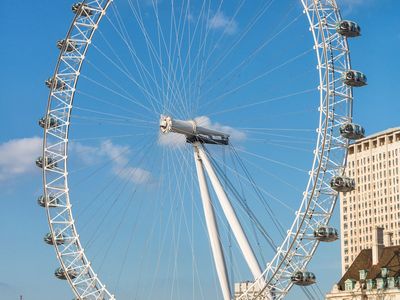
(87, 154)
(17, 157)
(115, 152)
(136, 175)
(172, 140)
(221, 22)
(152, 2)
(348, 6)
(234, 134)
(190, 17)
(121, 168)
(119, 155)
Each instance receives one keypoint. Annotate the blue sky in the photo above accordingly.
(30, 31)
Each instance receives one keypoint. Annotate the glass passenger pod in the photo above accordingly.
(303, 278)
(354, 78)
(59, 84)
(342, 184)
(59, 240)
(71, 46)
(326, 234)
(51, 201)
(82, 9)
(348, 28)
(52, 122)
(352, 131)
(48, 161)
(61, 274)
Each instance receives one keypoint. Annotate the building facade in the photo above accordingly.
(373, 275)
(374, 163)
(252, 291)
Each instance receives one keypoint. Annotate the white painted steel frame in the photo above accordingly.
(318, 201)
(86, 285)
(212, 227)
(336, 105)
(231, 217)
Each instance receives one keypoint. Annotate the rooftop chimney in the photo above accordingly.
(377, 244)
(387, 239)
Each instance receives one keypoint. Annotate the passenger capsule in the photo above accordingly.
(354, 78)
(342, 184)
(49, 162)
(52, 122)
(59, 84)
(51, 201)
(82, 9)
(348, 28)
(303, 278)
(59, 240)
(71, 46)
(61, 274)
(352, 131)
(326, 234)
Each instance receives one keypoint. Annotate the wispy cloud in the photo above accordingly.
(17, 157)
(220, 21)
(172, 140)
(5, 285)
(349, 6)
(119, 157)
(89, 155)
(8, 291)
(190, 17)
(119, 154)
(234, 134)
(152, 2)
(136, 175)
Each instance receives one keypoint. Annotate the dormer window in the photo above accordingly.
(392, 282)
(384, 272)
(349, 284)
(380, 283)
(363, 274)
(371, 284)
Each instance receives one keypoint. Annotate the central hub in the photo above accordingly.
(192, 131)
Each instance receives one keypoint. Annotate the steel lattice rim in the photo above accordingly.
(86, 285)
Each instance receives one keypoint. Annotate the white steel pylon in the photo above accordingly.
(248, 253)
(212, 228)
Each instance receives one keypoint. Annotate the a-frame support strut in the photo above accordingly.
(197, 135)
(241, 238)
(211, 222)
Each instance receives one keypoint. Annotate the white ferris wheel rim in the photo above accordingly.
(295, 252)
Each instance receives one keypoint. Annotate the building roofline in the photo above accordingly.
(377, 134)
(389, 258)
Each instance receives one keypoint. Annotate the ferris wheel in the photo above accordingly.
(192, 114)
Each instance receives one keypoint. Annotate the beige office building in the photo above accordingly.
(374, 163)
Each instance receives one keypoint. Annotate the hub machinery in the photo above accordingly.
(192, 131)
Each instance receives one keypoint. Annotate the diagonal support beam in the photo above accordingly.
(232, 218)
(212, 227)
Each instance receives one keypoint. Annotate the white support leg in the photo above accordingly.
(232, 218)
(212, 227)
